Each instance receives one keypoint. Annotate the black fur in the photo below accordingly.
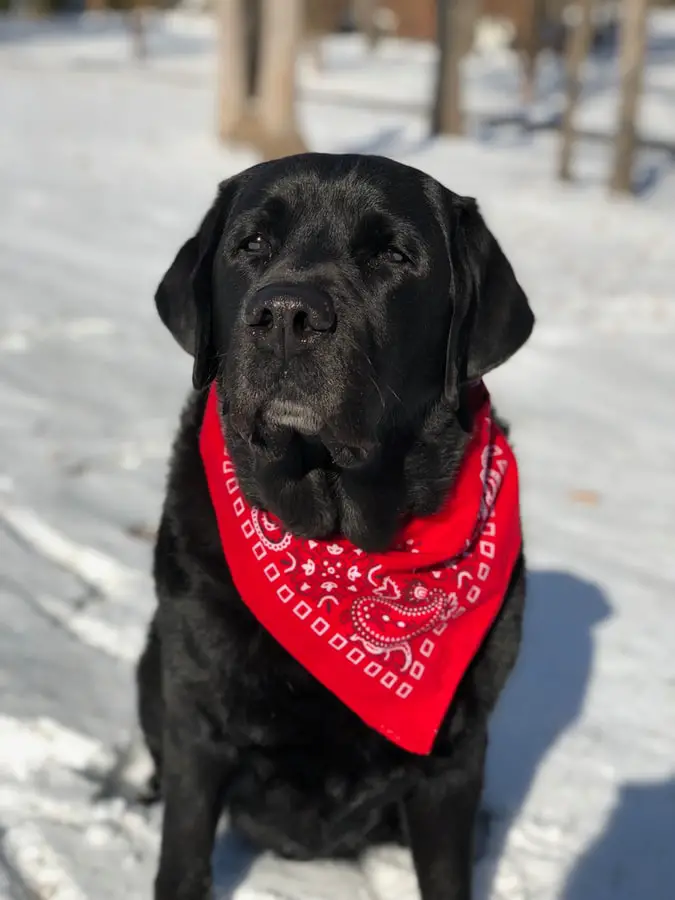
(363, 429)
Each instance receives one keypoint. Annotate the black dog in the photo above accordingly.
(343, 398)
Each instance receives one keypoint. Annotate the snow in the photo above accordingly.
(105, 166)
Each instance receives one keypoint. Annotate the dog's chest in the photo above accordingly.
(266, 701)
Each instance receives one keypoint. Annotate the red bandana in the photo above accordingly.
(390, 634)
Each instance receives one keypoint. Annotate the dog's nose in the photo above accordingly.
(288, 318)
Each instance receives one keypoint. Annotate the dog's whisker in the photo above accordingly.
(377, 388)
(372, 377)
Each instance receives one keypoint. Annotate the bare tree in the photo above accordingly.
(232, 86)
(633, 49)
(528, 37)
(259, 41)
(281, 39)
(137, 26)
(578, 46)
(456, 20)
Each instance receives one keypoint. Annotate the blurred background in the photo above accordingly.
(117, 121)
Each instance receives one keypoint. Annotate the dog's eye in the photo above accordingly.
(394, 255)
(256, 245)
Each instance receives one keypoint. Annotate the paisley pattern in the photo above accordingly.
(384, 624)
(269, 531)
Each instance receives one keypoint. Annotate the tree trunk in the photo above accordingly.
(455, 23)
(281, 39)
(578, 46)
(529, 40)
(633, 47)
(259, 41)
(252, 28)
(233, 71)
(137, 25)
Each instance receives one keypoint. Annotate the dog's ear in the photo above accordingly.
(184, 295)
(492, 318)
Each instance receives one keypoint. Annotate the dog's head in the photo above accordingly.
(337, 300)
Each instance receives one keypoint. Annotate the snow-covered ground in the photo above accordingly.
(105, 166)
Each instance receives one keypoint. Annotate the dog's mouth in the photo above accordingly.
(344, 451)
(279, 413)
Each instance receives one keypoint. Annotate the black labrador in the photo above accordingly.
(344, 405)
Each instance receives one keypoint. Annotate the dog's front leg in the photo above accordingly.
(192, 786)
(440, 815)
